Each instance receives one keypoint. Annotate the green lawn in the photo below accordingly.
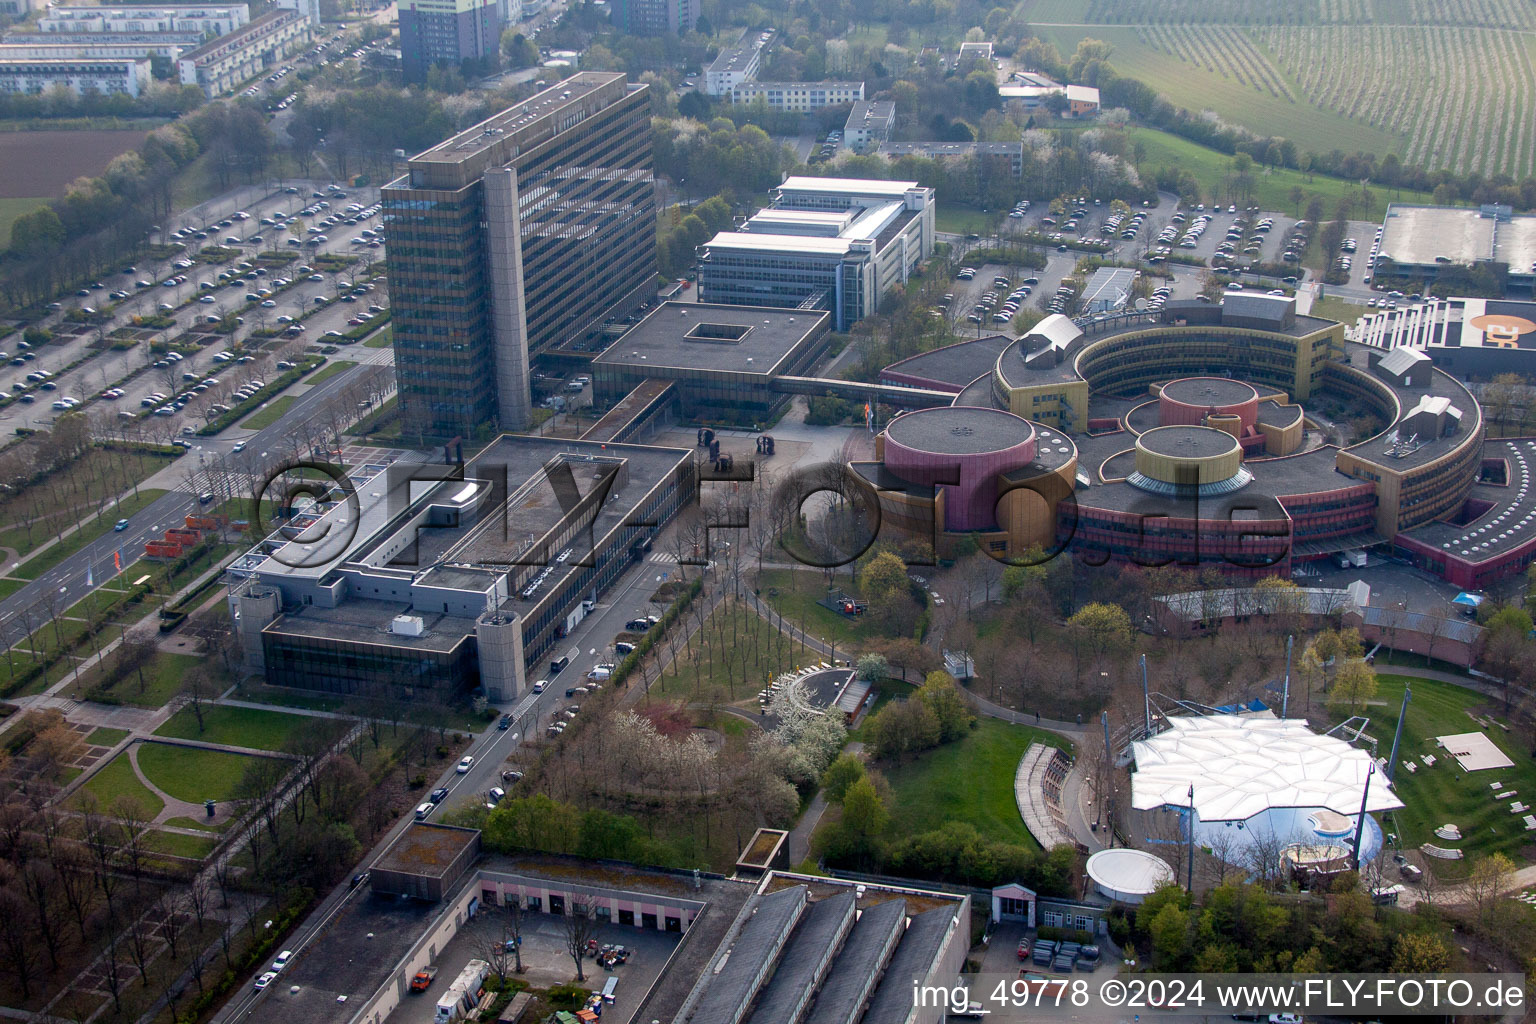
(9, 585)
(960, 220)
(744, 657)
(383, 339)
(189, 773)
(1272, 189)
(10, 210)
(1445, 793)
(96, 528)
(794, 593)
(105, 737)
(268, 414)
(117, 780)
(162, 681)
(1338, 309)
(241, 727)
(179, 844)
(969, 780)
(328, 371)
(202, 824)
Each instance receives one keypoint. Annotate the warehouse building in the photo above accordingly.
(1108, 289)
(837, 244)
(1419, 243)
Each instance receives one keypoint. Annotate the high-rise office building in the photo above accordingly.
(518, 235)
(446, 32)
(655, 17)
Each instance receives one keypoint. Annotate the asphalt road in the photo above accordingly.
(66, 582)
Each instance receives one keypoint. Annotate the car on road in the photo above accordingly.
(283, 960)
(438, 795)
(465, 763)
(538, 687)
(511, 775)
(505, 723)
(496, 794)
(120, 526)
(239, 446)
(266, 979)
(422, 810)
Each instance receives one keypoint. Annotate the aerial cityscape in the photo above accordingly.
(704, 512)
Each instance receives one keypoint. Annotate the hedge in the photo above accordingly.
(653, 635)
(272, 390)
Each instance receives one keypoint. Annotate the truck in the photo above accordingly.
(424, 978)
(463, 995)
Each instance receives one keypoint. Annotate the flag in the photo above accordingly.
(117, 559)
(869, 416)
(90, 576)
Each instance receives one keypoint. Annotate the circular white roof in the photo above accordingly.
(1242, 766)
(1133, 872)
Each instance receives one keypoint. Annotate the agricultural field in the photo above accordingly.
(44, 163)
(1442, 83)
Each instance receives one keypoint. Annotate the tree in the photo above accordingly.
(1485, 887)
(1103, 627)
(873, 666)
(1420, 953)
(903, 727)
(1353, 685)
(581, 925)
(864, 815)
(941, 695)
(841, 774)
(197, 687)
(520, 51)
(884, 576)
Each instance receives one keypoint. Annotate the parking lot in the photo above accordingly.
(546, 961)
(145, 290)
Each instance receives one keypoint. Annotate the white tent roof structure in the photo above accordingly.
(1245, 766)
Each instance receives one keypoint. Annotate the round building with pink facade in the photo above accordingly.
(963, 450)
(1188, 401)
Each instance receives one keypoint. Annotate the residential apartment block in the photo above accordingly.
(798, 96)
(446, 32)
(79, 75)
(226, 63)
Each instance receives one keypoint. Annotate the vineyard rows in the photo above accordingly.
(1519, 14)
(1222, 49)
(1460, 96)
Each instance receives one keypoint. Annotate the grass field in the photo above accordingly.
(793, 594)
(1445, 793)
(328, 371)
(105, 737)
(240, 727)
(1197, 88)
(960, 220)
(117, 780)
(190, 773)
(970, 780)
(179, 844)
(269, 414)
(1272, 188)
(745, 655)
(1338, 309)
(382, 339)
(162, 681)
(10, 209)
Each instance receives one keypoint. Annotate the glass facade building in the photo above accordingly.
(514, 237)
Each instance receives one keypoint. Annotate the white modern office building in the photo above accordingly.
(738, 64)
(836, 244)
(80, 75)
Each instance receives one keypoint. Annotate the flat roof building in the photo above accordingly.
(869, 124)
(1013, 152)
(1419, 242)
(123, 46)
(448, 33)
(655, 17)
(797, 96)
(104, 75)
(738, 64)
(461, 585)
(1109, 288)
(837, 244)
(207, 20)
(724, 358)
(231, 60)
(514, 237)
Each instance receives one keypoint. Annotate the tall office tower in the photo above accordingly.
(516, 236)
(446, 32)
(655, 17)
